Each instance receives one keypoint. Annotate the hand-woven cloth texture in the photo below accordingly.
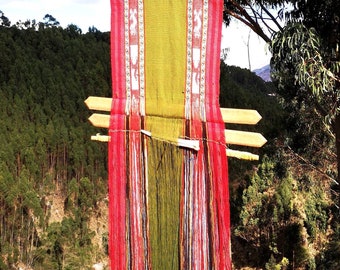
(168, 204)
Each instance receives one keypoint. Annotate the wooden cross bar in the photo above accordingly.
(233, 116)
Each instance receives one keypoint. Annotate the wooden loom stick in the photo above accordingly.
(230, 153)
(242, 155)
(100, 120)
(229, 115)
(237, 137)
(240, 116)
(244, 138)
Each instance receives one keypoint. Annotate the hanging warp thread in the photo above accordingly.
(168, 204)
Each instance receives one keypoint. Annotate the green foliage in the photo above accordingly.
(298, 60)
(278, 220)
(305, 68)
(46, 74)
(63, 253)
(284, 197)
(57, 250)
(316, 213)
(256, 195)
(240, 88)
(4, 21)
(273, 265)
(324, 17)
(330, 260)
(300, 70)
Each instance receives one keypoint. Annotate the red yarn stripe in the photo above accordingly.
(117, 144)
(216, 140)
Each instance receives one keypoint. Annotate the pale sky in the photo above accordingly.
(238, 38)
(86, 13)
(83, 13)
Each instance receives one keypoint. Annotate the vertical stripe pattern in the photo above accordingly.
(168, 205)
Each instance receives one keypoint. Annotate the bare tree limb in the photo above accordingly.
(247, 19)
(271, 16)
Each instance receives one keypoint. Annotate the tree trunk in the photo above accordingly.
(337, 144)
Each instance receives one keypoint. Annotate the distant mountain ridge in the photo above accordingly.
(264, 73)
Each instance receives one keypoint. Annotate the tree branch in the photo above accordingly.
(271, 16)
(311, 165)
(238, 17)
(248, 20)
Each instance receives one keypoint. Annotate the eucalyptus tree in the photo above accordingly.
(304, 40)
(309, 47)
(50, 21)
(264, 17)
(4, 21)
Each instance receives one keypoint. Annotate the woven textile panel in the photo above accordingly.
(168, 174)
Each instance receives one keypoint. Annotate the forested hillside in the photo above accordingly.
(52, 177)
(283, 208)
(53, 189)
